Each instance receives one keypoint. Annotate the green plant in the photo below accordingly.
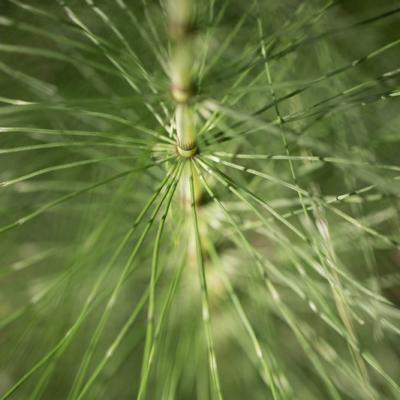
(199, 199)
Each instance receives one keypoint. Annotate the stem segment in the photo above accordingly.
(180, 16)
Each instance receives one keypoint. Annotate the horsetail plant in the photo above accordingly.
(199, 200)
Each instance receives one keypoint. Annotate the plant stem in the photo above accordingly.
(180, 22)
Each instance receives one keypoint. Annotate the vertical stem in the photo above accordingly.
(180, 24)
(212, 360)
(185, 128)
(181, 14)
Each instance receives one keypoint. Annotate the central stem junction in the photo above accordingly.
(180, 27)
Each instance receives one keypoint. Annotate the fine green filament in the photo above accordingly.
(199, 199)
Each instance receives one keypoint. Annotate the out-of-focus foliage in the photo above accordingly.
(297, 229)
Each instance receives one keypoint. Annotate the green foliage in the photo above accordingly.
(263, 267)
